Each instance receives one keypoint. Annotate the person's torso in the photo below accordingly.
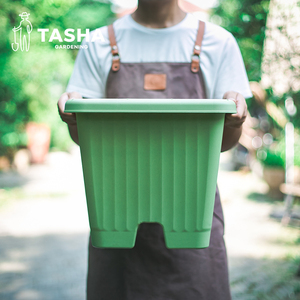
(139, 44)
(181, 80)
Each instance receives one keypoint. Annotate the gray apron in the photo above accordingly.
(150, 271)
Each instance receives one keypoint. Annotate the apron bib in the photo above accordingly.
(150, 271)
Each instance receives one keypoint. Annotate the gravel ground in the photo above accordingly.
(44, 234)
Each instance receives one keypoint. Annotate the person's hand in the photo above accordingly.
(236, 120)
(69, 118)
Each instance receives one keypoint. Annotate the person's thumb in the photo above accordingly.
(74, 95)
(62, 102)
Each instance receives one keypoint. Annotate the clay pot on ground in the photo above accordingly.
(274, 177)
(38, 141)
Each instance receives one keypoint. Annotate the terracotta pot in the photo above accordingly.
(274, 177)
(38, 141)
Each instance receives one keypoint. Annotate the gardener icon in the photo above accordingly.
(25, 29)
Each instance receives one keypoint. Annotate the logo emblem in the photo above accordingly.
(23, 32)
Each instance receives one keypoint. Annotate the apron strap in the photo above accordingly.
(195, 57)
(114, 49)
(195, 65)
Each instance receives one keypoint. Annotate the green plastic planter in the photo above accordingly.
(150, 160)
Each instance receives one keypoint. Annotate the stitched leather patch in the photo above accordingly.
(155, 82)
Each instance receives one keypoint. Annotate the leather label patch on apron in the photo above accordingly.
(155, 82)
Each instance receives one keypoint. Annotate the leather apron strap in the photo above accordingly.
(114, 49)
(195, 57)
(195, 65)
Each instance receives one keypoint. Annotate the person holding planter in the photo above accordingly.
(161, 52)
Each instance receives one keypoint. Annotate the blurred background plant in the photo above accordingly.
(31, 82)
(271, 158)
(246, 20)
(269, 38)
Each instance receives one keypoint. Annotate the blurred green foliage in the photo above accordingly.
(31, 82)
(246, 20)
(270, 158)
(274, 156)
(280, 101)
